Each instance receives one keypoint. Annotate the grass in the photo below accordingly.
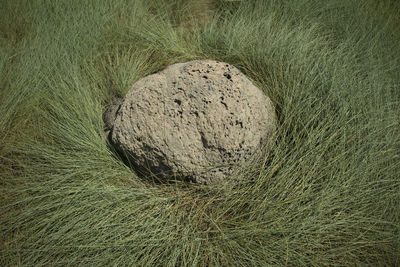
(325, 193)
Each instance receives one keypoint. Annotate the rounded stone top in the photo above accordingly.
(193, 121)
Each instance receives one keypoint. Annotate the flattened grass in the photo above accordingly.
(325, 192)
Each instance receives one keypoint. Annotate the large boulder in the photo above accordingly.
(193, 121)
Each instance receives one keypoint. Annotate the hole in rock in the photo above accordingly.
(227, 75)
(239, 123)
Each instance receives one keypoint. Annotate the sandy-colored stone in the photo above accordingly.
(195, 120)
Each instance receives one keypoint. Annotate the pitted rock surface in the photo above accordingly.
(196, 120)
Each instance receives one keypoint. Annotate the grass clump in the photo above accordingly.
(326, 192)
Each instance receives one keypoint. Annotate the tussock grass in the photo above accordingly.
(326, 190)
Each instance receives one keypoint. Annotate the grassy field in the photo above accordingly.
(325, 193)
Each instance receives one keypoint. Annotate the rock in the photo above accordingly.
(110, 114)
(193, 121)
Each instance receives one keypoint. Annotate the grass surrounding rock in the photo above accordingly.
(326, 193)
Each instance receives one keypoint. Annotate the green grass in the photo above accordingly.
(325, 193)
